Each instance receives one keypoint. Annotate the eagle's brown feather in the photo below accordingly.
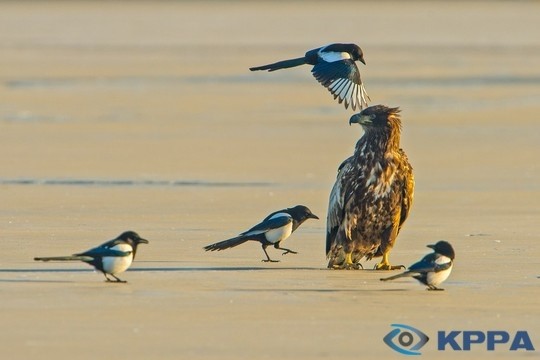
(372, 195)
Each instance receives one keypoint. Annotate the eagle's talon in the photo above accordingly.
(382, 266)
(351, 266)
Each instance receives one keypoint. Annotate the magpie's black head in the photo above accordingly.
(444, 248)
(301, 213)
(377, 117)
(357, 54)
(132, 238)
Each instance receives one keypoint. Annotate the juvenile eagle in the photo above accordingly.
(373, 193)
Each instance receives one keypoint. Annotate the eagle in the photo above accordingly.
(372, 195)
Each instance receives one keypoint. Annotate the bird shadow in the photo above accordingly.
(356, 290)
(187, 269)
(218, 268)
(37, 271)
(35, 281)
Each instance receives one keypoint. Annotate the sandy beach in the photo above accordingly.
(144, 116)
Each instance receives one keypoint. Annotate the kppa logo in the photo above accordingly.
(405, 339)
(401, 339)
(520, 341)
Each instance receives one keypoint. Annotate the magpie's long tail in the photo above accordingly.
(281, 64)
(62, 258)
(405, 274)
(226, 244)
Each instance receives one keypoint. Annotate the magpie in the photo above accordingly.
(335, 68)
(111, 258)
(275, 228)
(434, 268)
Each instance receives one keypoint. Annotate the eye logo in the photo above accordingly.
(405, 339)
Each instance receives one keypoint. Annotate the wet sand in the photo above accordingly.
(144, 116)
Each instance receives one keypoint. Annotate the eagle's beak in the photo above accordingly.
(360, 119)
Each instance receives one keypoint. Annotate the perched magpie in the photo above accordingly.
(111, 258)
(335, 68)
(275, 228)
(434, 268)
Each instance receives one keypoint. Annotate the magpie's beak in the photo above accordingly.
(143, 241)
(360, 119)
(363, 61)
(431, 246)
(313, 216)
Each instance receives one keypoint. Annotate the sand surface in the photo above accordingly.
(144, 116)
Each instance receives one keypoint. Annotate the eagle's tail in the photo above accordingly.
(63, 258)
(281, 64)
(226, 244)
(405, 274)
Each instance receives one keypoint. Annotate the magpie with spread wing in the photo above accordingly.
(372, 195)
(434, 268)
(335, 68)
(111, 258)
(275, 228)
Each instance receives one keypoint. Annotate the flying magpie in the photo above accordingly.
(111, 258)
(275, 228)
(335, 68)
(434, 268)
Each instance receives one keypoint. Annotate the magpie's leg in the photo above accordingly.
(117, 280)
(434, 288)
(267, 257)
(287, 251)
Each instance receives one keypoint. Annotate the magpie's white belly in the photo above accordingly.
(437, 278)
(118, 264)
(279, 234)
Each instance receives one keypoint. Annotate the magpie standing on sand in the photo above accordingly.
(275, 228)
(434, 268)
(111, 258)
(335, 68)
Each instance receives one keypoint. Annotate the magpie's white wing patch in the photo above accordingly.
(342, 78)
(331, 56)
(276, 221)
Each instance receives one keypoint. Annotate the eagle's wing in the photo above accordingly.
(407, 190)
(336, 205)
(342, 79)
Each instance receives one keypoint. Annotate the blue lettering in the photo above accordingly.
(496, 337)
(522, 341)
(449, 339)
(472, 337)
